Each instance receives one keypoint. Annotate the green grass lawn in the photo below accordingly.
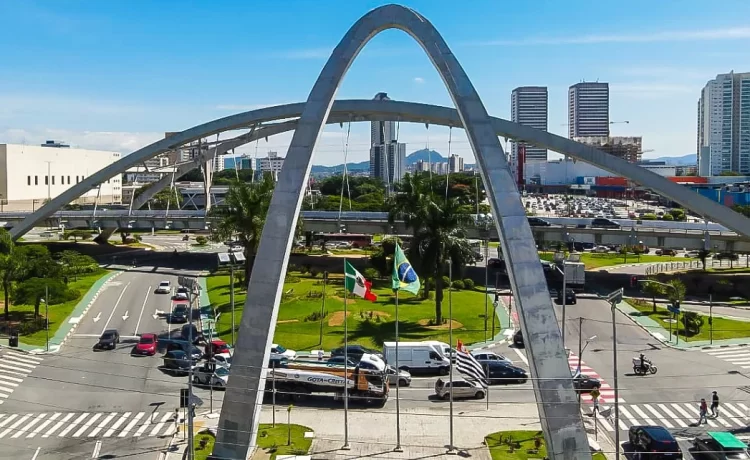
(593, 260)
(520, 445)
(275, 440)
(57, 313)
(723, 328)
(297, 327)
(203, 453)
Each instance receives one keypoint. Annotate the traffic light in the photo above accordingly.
(633, 281)
(184, 399)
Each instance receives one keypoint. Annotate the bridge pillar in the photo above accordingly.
(105, 235)
(208, 173)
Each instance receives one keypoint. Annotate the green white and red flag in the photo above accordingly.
(357, 284)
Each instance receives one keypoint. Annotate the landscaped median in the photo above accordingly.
(593, 260)
(370, 323)
(723, 328)
(281, 439)
(521, 445)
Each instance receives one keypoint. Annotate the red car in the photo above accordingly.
(146, 345)
(217, 347)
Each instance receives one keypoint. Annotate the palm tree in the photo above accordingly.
(438, 234)
(244, 215)
(12, 267)
(653, 290)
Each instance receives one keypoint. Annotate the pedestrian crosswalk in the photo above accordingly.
(77, 425)
(739, 355)
(14, 367)
(674, 416)
(607, 393)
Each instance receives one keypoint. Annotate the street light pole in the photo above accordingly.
(614, 298)
(231, 296)
(564, 295)
(486, 284)
(46, 313)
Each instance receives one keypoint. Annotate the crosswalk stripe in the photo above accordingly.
(57, 426)
(145, 425)
(731, 412)
(27, 429)
(672, 415)
(744, 407)
(658, 416)
(734, 410)
(117, 424)
(159, 427)
(696, 413)
(130, 425)
(87, 425)
(19, 362)
(15, 425)
(101, 426)
(7, 420)
(643, 415)
(686, 416)
(44, 425)
(13, 354)
(629, 416)
(8, 380)
(70, 427)
(12, 370)
(602, 421)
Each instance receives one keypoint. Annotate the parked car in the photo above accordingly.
(146, 345)
(654, 442)
(179, 313)
(177, 361)
(354, 352)
(461, 389)
(720, 446)
(537, 222)
(583, 383)
(186, 347)
(726, 256)
(401, 377)
(496, 263)
(165, 287)
(600, 249)
(279, 352)
(189, 331)
(666, 252)
(500, 373)
(604, 223)
(340, 361)
(518, 339)
(108, 340)
(211, 375)
(570, 297)
(483, 355)
(217, 347)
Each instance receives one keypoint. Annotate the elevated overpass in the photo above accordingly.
(662, 234)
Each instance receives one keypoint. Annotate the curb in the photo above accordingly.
(711, 347)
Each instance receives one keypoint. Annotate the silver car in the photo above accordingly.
(480, 355)
(461, 389)
(401, 378)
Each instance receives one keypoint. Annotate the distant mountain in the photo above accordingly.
(685, 160)
(425, 155)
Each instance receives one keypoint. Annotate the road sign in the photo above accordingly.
(673, 309)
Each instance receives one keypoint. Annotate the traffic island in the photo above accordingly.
(521, 445)
(203, 444)
(282, 439)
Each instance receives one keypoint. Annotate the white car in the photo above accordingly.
(223, 360)
(208, 376)
(601, 249)
(481, 355)
(165, 287)
(279, 352)
(236, 249)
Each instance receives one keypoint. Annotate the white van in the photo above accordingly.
(417, 356)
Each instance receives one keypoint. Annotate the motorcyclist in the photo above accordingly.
(644, 361)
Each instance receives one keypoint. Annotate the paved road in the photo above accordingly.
(66, 402)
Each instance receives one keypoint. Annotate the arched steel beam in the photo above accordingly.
(559, 412)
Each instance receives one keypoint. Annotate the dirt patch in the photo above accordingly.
(349, 301)
(426, 323)
(337, 318)
(376, 313)
(287, 321)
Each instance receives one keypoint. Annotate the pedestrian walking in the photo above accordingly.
(715, 404)
(320, 355)
(703, 411)
(595, 398)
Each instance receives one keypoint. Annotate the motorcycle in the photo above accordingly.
(647, 368)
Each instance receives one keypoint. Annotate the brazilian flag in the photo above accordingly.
(404, 276)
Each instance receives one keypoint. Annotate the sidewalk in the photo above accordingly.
(68, 327)
(502, 322)
(662, 335)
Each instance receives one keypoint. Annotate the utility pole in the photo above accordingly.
(231, 296)
(191, 296)
(46, 312)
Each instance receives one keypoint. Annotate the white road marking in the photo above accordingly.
(627, 415)
(158, 428)
(125, 316)
(13, 370)
(97, 449)
(44, 425)
(521, 355)
(115, 307)
(97, 317)
(18, 362)
(658, 416)
(101, 426)
(137, 325)
(57, 426)
(36, 454)
(130, 425)
(15, 425)
(672, 415)
(10, 380)
(87, 425)
(72, 425)
(117, 424)
(144, 426)
(7, 420)
(27, 428)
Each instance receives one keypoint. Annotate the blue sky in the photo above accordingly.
(117, 74)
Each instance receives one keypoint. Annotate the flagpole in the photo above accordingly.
(346, 445)
(451, 449)
(398, 403)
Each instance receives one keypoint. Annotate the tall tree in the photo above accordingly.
(243, 215)
(437, 228)
(12, 267)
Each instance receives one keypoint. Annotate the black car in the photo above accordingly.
(339, 361)
(499, 373)
(189, 331)
(583, 383)
(177, 361)
(537, 222)
(654, 441)
(518, 339)
(604, 223)
(496, 263)
(179, 313)
(108, 341)
(354, 352)
(185, 347)
(570, 297)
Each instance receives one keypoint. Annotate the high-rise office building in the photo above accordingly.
(724, 125)
(455, 163)
(528, 106)
(588, 109)
(387, 155)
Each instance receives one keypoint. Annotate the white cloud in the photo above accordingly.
(418, 80)
(124, 142)
(735, 33)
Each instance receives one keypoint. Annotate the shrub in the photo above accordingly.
(371, 273)
(648, 217)
(446, 281)
(314, 272)
(292, 279)
(469, 283)
(692, 322)
(458, 284)
(201, 240)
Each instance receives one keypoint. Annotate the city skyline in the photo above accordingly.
(88, 101)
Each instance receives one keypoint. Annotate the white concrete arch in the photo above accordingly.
(561, 418)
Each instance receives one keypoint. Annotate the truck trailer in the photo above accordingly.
(366, 382)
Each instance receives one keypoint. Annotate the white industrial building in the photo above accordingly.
(32, 174)
(562, 172)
